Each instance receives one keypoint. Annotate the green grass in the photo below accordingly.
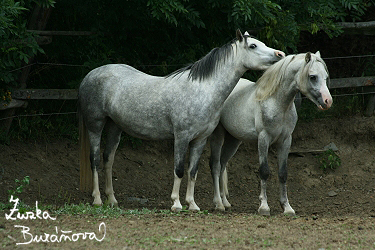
(96, 211)
(113, 212)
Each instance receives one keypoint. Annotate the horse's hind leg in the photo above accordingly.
(196, 149)
(112, 140)
(228, 150)
(283, 151)
(94, 138)
(216, 142)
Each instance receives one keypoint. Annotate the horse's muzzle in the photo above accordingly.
(279, 54)
(326, 101)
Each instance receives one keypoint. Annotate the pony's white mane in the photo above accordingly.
(269, 82)
(272, 78)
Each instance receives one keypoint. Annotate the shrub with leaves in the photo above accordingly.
(329, 160)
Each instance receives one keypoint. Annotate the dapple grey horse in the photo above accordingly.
(264, 113)
(184, 106)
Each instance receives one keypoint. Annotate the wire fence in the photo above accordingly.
(163, 65)
(75, 112)
(40, 114)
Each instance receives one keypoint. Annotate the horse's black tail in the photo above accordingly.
(84, 156)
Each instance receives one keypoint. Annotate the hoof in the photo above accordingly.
(220, 208)
(111, 204)
(176, 209)
(264, 212)
(288, 210)
(97, 201)
(227, 205)
(290, 213)
(194, 208)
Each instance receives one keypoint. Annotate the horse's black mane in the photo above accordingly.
(206, 66)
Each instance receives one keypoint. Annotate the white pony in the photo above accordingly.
(264, 113)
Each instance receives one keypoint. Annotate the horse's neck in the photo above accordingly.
(287, 91)
(226, 78)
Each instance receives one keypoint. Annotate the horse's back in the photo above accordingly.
(135, 101)
(111, 80)
(114, 74)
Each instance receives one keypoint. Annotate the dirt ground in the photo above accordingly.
(335, 209)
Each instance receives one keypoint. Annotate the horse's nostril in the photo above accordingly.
(280, 54)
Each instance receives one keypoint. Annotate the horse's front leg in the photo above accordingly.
(264, 172)
(180, 150)
(196, 149)
(283, 151)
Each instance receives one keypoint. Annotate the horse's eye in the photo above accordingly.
(253, 46)
(312, 77)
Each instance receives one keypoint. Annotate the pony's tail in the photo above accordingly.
(225, 182)
(84, 157)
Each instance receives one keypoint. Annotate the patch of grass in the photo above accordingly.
(105, 211)
(21, 184)
(100, 211)
(113, 212)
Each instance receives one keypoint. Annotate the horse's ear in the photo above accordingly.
(318, 54)
(239, 35)
(246, 33)
(308, 57)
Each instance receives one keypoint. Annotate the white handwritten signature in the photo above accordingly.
(58, 237)
(28, 215)
(64, 236)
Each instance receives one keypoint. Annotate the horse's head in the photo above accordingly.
(313, 81)
(256, 55)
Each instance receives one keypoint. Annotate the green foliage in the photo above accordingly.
(17, 45)
(329, 160)
(354, 9)
(174, 12)
(9, 11)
